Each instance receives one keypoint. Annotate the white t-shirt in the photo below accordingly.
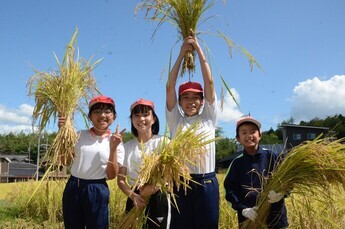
(91, 156)
(133, 152)
(207, 119)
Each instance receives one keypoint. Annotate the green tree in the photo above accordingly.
(270, 137)
(127, 136)
(225, 146)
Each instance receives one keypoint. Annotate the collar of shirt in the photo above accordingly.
(105, 135)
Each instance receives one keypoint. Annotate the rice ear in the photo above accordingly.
(167, 167)
(62, 92)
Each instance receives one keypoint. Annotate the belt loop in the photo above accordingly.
(78, 182)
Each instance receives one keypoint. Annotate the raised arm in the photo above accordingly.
(171, 97)
(209, 90)
(112, 165)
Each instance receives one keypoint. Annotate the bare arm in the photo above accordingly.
(138, 200)
(209, 90)
(171, 97)
(112, 165)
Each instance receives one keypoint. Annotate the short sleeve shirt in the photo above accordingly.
(92, 155)
(133, 157)
(208, 119)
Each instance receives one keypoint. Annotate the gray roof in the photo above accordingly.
(15, 157)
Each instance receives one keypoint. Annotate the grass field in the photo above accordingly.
(7, 188)
(44, 209)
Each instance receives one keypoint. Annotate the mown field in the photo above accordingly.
(44, 208)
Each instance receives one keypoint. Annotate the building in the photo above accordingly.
(16, 168)
(293, 135)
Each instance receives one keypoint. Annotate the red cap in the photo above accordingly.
(101, 99)
(248, 119)
(142, 102)
(190, 86)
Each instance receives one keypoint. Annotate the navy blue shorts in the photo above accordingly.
(85, 204)
(200, 207)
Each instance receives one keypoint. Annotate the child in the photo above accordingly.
(243, 180)
(199, 208)
(86, 195)
(145, 128)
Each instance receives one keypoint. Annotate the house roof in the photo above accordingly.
(15, 157)
(305, 127)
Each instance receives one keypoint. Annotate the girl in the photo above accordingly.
(86, 195)
(145, 127)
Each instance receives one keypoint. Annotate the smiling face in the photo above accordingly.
(249, 136)
(102, 116)
(191, 102)
(144, 121)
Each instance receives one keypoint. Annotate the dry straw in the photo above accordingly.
(168, 167)
(187, 16)
(62, 92)
(311, 166)
(184, 15)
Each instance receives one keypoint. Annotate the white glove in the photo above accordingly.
(274, 197)
(250, 213)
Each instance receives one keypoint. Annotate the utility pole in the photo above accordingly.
(38, 154)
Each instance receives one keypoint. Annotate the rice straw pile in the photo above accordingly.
(62, 92)
(311, 166)
(167, 167)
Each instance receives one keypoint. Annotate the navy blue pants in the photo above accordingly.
(157, 211)
(85, 204)
(200, 207)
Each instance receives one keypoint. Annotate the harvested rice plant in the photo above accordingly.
(63, 92)
(313, 211)
(191, 18)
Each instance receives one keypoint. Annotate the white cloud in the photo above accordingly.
(15, 120)
(5, 129)
(26, 109)
(230, 112)
(318, 98)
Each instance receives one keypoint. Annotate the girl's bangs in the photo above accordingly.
(141, 109)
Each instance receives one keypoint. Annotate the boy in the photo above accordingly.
(243, 180)
(199, 207)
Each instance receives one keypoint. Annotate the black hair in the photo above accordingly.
(102, 106)
(143, 109)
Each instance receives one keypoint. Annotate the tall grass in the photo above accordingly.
(312, 212)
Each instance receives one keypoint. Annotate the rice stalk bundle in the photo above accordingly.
(187, 16)
(167, 167)
(62, 92)
(183, 15)
(319, 163)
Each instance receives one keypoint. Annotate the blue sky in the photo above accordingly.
(299, 44)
